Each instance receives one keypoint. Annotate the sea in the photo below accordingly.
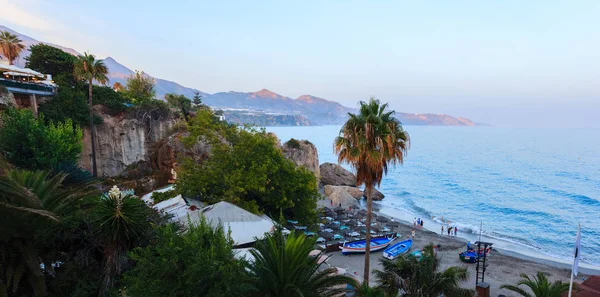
(525, 190)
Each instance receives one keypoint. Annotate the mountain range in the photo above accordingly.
(316, 110)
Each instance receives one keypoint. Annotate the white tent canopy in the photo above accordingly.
(20, 71)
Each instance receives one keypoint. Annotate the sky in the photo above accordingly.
(506, 63)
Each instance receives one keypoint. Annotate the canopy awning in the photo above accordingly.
(20, 71)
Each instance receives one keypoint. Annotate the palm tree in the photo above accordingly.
(421, 278)
(11, 46)
(28, 202)
(370, 142)
(283, 268)
(120, 219)
(366, 291)
(87, 68)
(539, 285)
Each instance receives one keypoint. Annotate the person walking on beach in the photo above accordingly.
(421, 223)
(455, 230)
(449, 230)
(413, 233)
(442, 229)
(415, 222)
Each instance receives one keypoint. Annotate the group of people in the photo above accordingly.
(418, 222)
(450, 230)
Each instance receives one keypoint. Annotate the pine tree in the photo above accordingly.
(197, 98)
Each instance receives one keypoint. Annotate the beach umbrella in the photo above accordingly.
(354, 207)
(339, 209)
(326, 235)
(352, 223)
(362, 212)
(374, 215)
(382, 219)
(393, 224)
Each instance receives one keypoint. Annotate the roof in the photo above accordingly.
(19, 70)
(588, 288)
(245, 226)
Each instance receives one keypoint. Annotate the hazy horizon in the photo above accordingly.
(508, 64)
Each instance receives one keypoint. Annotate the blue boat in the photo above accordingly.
(358, 246)
(397, 249)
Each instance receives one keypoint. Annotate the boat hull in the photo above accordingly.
(394, 251)
(359, 246)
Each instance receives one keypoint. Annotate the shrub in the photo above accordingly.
(293, 143)
(158, 197)
(27, 142)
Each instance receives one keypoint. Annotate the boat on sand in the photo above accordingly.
(397, 249)
(359, 246)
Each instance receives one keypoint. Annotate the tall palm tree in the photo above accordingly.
(11, 46)
(29, 201)
(370, 142)
(282, 267)
(539, 285)
(89, 69)
(421, 278)
(120, 219)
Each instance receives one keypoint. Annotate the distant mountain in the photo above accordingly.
(117, 71)
(261, 107)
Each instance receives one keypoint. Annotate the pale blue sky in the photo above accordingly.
(508, 63)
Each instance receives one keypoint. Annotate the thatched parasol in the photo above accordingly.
(382, 219)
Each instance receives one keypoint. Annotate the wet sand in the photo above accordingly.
(503, 268)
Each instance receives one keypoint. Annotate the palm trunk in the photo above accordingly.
(92, 130)
(367, 272)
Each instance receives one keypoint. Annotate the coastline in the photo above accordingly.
(505, 265)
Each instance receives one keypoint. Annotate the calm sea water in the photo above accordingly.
(527, 187)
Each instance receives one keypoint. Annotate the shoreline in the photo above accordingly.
(505, 247)
(505, 265)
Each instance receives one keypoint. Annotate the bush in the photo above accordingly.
(293, 143)
(158, 197)
(69, 103)
(199, 262)
(27, 142)
(115, 102)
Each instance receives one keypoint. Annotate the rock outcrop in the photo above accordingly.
(302, 153)
(353, 191)
(6, 98)
(336, 175)
(341, 195)
(169, 150)
(121, 142)
(377, 196)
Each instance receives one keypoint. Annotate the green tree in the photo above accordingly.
(29, 202)
(140, 88)
(89, 69)
(68, 103)
(199, 262)
(247, 168)
(27, 142)
(370, 142)
(51, 60)
(115, 101)
(120, 219)
(283, 267)
(539, 286)
(197, 98)
(365, 291)
(180, 102)
(421, 277)
(11, 46)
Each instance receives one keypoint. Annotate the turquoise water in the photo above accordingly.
(528, 187)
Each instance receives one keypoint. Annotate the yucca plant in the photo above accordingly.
(119, 221)
(539, 286)
(282, 267)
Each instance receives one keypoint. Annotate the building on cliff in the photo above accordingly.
(23, 87)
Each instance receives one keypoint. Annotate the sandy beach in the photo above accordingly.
(503, 268)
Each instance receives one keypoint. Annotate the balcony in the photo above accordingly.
(28, 88)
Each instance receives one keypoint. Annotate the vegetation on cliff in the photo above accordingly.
(247, 168)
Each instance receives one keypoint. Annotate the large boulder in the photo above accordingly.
(6, 97)
(169, 150)
(302, 153)
(377, 196)
(336, 175)
(339, 195)
(353, 191)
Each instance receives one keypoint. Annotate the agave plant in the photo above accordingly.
(539, 285)
(120, 219)
(284, 268)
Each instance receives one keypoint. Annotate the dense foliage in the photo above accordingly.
(158, 197)
(68, 103)
(180, 102)
(199, 262)
(114, 101)
(28, 142)
(51, 60)
(247, 168)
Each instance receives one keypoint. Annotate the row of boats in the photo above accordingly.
(378, 243)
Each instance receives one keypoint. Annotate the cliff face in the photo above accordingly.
(121, 142)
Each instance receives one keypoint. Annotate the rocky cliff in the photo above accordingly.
(122, 141)
(302, 153)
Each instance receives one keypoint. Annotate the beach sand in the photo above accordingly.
(502, 268)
